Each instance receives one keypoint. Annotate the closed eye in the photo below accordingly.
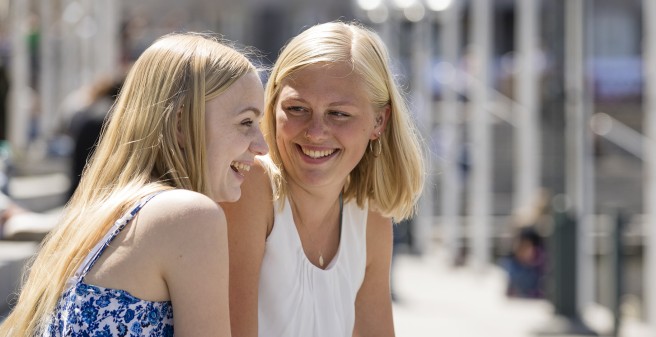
(338, 113)
(295, 110)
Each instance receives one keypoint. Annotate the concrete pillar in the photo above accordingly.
(422, 104)
(579, 170)
(21, 96)
(48, 78)
(526, 87)
(450, 135)
(480, 183)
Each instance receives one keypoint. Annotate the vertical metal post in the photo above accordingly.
(20, 95)
(479, 206)
(106, 49)
(451, 138)
(48, 77)
(86, 41)
(649, 206)
(617, 268)
(578, 154)
(422, 102)
(527, 142)
(70, 65)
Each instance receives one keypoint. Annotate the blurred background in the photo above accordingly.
(538, 115)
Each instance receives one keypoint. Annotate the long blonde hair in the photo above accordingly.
(140, 152)
(392, 181)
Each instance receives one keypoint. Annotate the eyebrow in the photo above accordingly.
(342, 103)
(255, 110)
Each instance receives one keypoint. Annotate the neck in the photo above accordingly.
(314, 211)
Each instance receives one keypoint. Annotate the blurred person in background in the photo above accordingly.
(85, 125)
(526, 265)
(186, 122)
(311, 238)
(527, 262)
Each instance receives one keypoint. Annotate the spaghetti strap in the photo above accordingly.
(100, 247)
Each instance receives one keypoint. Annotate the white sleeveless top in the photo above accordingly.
(298, 299)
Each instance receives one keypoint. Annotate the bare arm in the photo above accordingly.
(249, 220)
(194, 264)
(373, 305)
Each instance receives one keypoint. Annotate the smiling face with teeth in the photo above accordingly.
(233, 135)
(324, 121)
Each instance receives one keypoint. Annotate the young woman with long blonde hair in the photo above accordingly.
(141, 248)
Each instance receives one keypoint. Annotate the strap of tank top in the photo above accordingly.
(100, 247)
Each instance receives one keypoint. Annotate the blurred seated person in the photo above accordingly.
(526, 265)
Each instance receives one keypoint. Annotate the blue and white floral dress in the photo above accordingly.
(89, 310)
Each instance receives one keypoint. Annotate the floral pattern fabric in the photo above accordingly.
(89, 310)
(93, 311)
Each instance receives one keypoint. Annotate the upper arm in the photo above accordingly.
(248, 221)
(373, 305)
(194, 264)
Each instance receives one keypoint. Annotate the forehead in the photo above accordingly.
(246, 94)
(336, 80)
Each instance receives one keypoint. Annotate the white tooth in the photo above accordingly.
(317, 154)
(241, 166)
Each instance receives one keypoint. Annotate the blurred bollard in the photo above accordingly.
(563, 270)
(617, 267)
(563, 265)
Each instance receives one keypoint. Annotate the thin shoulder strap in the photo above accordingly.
(100, 247)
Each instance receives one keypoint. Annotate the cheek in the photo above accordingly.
(283, 126)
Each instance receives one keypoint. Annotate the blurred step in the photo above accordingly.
(40, 193)
(13, 257)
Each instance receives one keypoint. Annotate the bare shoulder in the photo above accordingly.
(181, 219)
(175, 232)
(180, 206)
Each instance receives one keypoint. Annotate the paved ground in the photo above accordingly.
(436, 300)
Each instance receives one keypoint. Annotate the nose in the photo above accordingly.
(258, 145)
(316, 129)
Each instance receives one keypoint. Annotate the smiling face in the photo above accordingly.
(324, 121)
(233, 135)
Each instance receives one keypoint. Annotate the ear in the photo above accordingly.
(380, 122)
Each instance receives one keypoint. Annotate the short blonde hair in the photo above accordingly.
(140, 152)
(392, 181)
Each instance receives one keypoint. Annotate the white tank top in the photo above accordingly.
(298, 299)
